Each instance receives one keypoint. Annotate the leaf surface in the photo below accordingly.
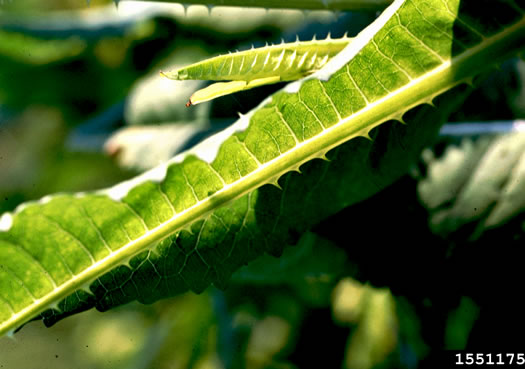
(197, 218)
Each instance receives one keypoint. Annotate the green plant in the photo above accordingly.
(299, 157)
(258, 67)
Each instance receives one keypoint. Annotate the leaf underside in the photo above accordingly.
(196, 219)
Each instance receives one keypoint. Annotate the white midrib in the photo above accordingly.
(396, 103)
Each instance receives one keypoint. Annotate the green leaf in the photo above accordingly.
(30, 50)
(197, 218)
(477, 183)
(42, 51)
(311, 268)
(313, 258)
(258, 67)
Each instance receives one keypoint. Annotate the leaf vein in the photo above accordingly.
(32, 257)
(75, 239)
(280, 115)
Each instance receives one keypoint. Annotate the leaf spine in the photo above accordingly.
(86, 289)
(275, 182)
(154, 248)
(185, 7)
(188, 229)
(429, 102)
(54, 306)
(127, 263)
(399, 118)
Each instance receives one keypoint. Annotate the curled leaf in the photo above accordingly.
(258, 67)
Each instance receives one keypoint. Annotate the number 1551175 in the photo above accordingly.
(477, 359)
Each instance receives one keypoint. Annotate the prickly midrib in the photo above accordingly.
(392, 106)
